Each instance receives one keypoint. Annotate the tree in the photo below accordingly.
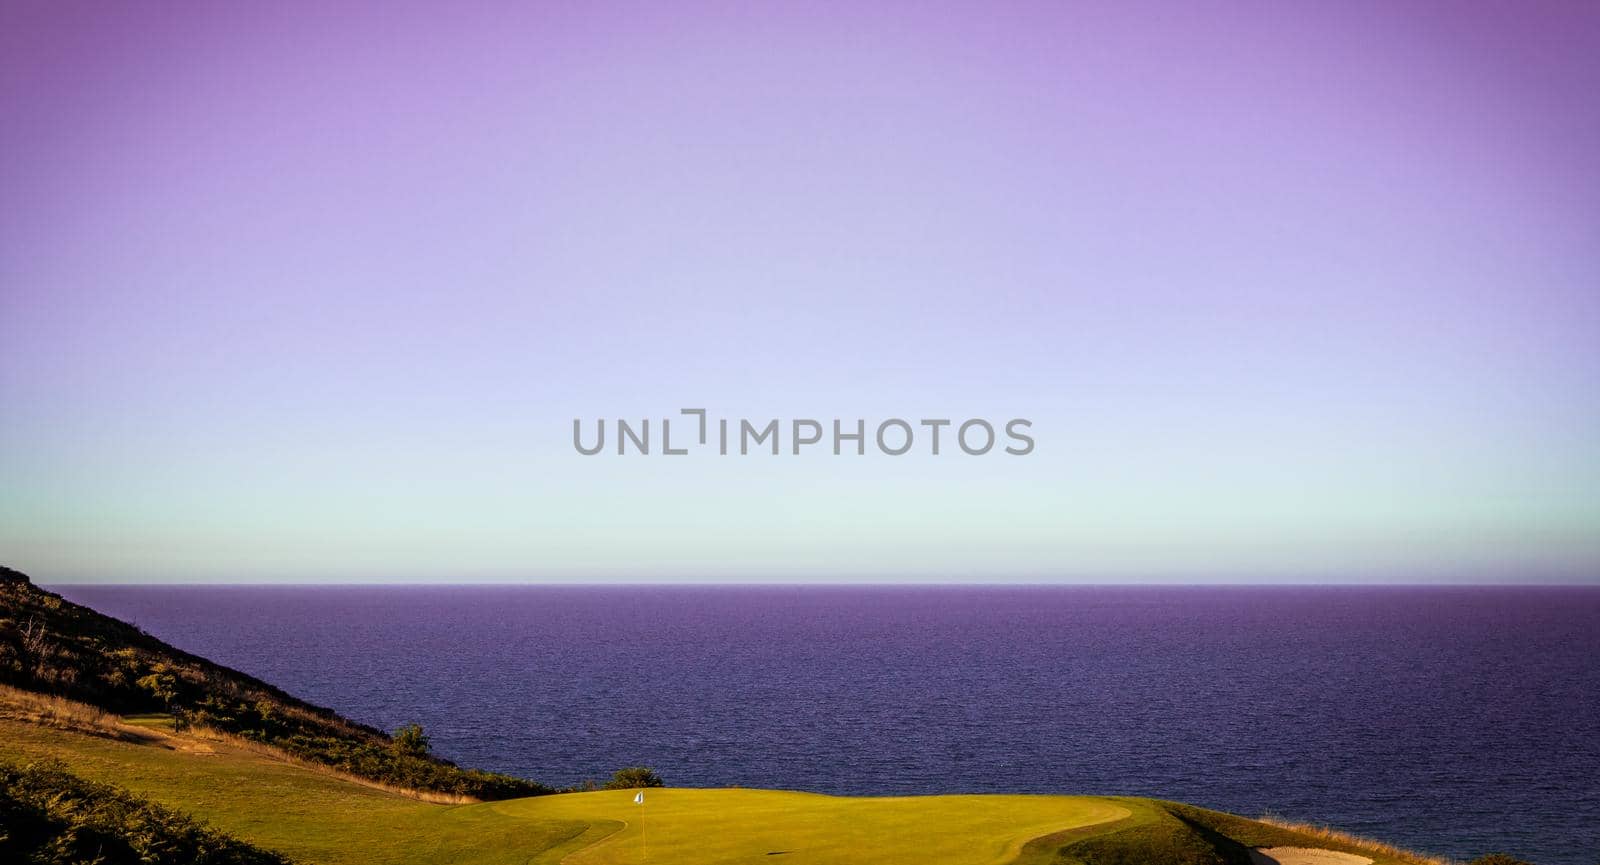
(635, 776)
(411, 740)
(161, 684)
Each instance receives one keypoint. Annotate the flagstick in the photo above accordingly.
(644, 846)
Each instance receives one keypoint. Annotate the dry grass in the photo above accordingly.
(1337, 836)
(212, 734)
(64, 714)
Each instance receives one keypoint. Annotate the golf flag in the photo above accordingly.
(638, 798)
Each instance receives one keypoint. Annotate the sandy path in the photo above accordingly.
(1304, 856)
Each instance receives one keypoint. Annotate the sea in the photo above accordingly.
(1451, 720)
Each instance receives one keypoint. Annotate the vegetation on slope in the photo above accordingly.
(53, 646)
(51, 817)
(1176, 834)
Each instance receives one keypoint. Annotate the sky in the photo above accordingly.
(1289, 292)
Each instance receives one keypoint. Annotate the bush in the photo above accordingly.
(634, 776)
(1499, 859)
(411, 740)
(161, 684)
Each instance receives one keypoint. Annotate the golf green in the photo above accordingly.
(686, 827)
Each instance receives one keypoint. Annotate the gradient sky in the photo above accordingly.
(1291, 291)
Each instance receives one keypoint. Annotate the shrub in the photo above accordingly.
(634, 776)
(161, 684)
(410, 740)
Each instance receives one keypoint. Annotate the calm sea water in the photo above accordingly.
(1452, 720)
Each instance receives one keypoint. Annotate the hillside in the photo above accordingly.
(50, 645)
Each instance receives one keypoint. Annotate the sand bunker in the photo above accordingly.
(1305, 856)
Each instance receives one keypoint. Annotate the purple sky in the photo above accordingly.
(1290, 290)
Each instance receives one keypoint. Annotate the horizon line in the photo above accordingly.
(1593, 584)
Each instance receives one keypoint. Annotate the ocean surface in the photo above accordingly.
(1452, 720)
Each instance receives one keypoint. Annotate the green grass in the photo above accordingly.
(317, 817)
(152, 721)
(682, 827)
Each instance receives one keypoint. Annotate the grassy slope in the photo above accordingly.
(1172, 833)
(48, 815)
(306, 814)
(318, 818)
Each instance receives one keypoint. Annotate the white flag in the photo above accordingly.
(638, 798)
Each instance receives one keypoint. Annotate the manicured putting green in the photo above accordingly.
(692, 827)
